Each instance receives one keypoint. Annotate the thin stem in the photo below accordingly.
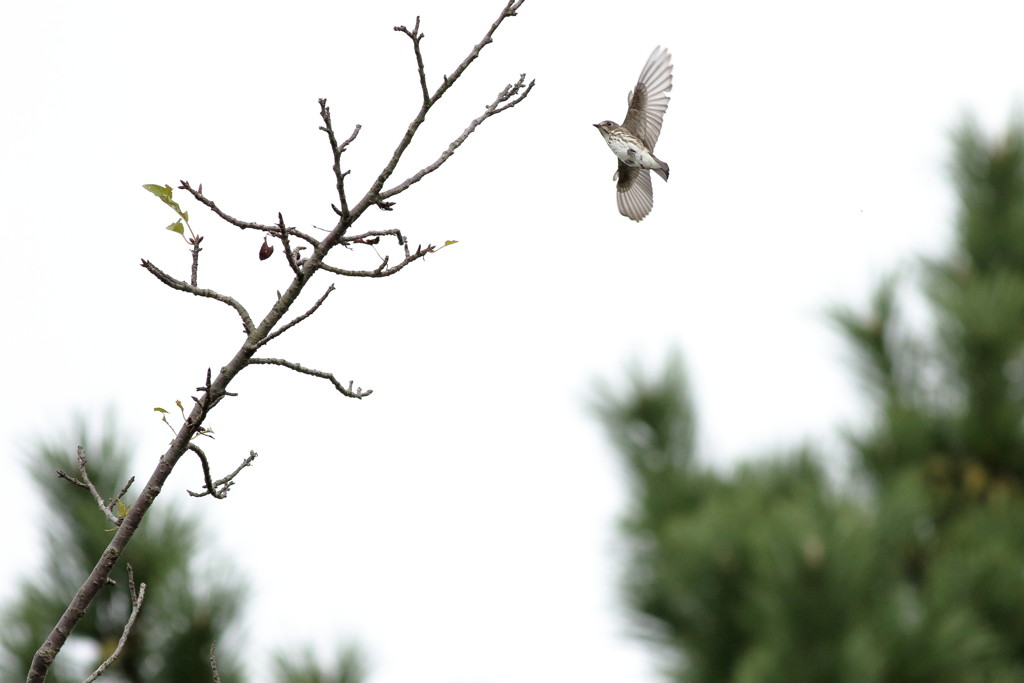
(372, 195)
(136, 600)
(358, 392)
(173, 283)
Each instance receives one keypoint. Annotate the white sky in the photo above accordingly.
(460, 522)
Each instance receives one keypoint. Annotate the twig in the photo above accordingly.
(357, 393)
(373, 195)
(206, 473)
(382, 270)
(174, 283)
(136, 606)
(336, 152)
(195, 258)
(283, 235)
(348, 141)
(509, 97)
(365, 237)
(121, 494)
(211, 397)
(218, 489)
(244, 225)
(87, 484)
(293, 323)
(416, 37)
(213, 662)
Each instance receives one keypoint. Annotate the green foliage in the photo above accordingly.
(913, 570)
(166, 194)
(303, 667)
(188, 603)
(202, 431)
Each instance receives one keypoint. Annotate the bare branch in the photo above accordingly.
(383, 270)
(365, 237)
(213, 662)
(218, 489)
(195, 241)
(199, 291)
(509, 11)
(283, 235)
(121, 493)
(349, 139)
(293, 323)
(297, 257)
(206, 474)
(61, 474)
(416, 37)
(136, 606)
(358, 392)
(373, 196)
(211, 398)
(244, 225)
(87, 484)
(506, 99)
(202, 199)
(336, 151)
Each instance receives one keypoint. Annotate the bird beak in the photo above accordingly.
(597, 125)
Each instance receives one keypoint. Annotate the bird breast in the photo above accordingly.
(632, 154)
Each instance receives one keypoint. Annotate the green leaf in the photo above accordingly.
(122, 509)
(165, 193)
(178, 227)
(159, 410)
(447, 243)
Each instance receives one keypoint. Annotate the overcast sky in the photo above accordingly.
(460, 522)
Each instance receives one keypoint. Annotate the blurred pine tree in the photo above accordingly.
(188, 604)
(914, 570)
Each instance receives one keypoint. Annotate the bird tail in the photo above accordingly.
(663, 171)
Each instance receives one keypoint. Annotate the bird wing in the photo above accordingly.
(649, 100)
(635, 194)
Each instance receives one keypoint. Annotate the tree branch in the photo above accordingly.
(195, 241)
(216, 388)
(506, 99)
(136, 600)
(87, 484)
(199, 291)
(288, 253)
(383, 270)
(99, 576)
(121, 494)
(337, 150)
(244, 225)
(293, 323)
(373, 236)
(357, 393)
(372, 195)
(416, 37)
(213, 662)
(218, 489)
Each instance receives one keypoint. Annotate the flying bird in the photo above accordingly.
(633, 142)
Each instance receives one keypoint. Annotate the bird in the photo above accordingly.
(633, 142)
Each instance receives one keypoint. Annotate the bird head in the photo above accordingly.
(606, 127)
